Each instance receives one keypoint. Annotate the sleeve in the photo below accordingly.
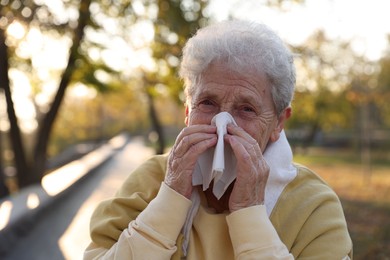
(253, 235)
(153, 234)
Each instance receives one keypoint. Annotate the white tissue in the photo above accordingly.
(218, 163)
(220, 121)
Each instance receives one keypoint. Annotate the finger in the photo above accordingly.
(252, 175)
(184, 158)
(238, 131)
(243, 148)
(246, 139)
(180, 168)
(244, 156)
(195, 129)
(190, 142)
(249, 162)
(191, 136)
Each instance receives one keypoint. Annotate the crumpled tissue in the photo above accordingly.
(218, 163)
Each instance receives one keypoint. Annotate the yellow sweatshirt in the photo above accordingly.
(145, 218)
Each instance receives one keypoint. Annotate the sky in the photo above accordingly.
(365, 22)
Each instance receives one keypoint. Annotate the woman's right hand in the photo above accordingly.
(190, 143)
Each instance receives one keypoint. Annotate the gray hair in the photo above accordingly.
(241, 45)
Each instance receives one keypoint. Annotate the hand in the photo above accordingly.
(190, 143)
(252, 170)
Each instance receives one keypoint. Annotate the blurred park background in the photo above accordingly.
(75, 73)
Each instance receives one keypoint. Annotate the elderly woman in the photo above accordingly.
(239, 82)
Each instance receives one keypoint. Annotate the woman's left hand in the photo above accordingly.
(252, 170)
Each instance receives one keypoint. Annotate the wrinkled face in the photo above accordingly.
(246, 97)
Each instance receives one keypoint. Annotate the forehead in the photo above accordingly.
(219, 79)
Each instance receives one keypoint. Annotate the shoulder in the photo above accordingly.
(305, 193)
(146, 177)
(307, 181)
(309, 217)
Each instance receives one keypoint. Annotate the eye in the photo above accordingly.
(207, 105)
(206, 102)
(248, 109)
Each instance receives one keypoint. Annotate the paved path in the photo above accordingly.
(63, 232)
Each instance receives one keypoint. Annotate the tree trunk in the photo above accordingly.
(3, 187)
(309, 139)
(46, 125)
(20, 161)
(156, 124)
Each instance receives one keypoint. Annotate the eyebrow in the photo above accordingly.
(207, 93)
(250, 99)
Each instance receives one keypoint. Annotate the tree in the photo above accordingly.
(176, 16)
(172, 23)
(46, 125)
(15, 135)
(3, 187)
(323, 68)
(383, 88)
(176, 21)
(31, 171)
